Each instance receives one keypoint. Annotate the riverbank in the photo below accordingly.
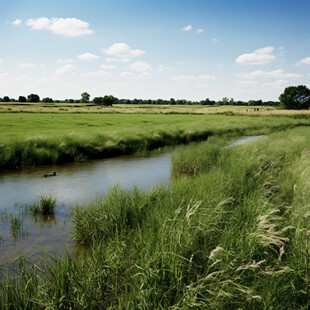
(28, 139)
(230, 232)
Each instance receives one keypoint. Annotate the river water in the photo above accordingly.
(74, 183)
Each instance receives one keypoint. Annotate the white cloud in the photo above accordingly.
(259, 57)
(109, 59)
(3, 75)
(96, 73)
(140, 66)
(143, 75)
(26, 65)
(17, 22)
(122, 50)
(206, 77)
(1, 60)
(271, 74)
(188, 78)
(71, 27)
(65, 69)
(188, 28)
(277, 83)
(127, 74)
(87, 56)
(199, 30)
(305, 61)
(214, 40)
(183, 78)
(107, 67)
(164, 68)
(66, 61)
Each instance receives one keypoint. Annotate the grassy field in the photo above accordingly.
(144, 109)
(230, 232)
(46, 138)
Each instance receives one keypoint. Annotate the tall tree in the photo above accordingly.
(85, 97)
(296, 97)
(33, 98)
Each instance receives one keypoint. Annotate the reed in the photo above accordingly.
(229, 232)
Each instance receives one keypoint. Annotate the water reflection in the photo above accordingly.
(75, 183)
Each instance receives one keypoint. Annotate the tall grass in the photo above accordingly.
(230, 232)
(45, 206)
(71, 137)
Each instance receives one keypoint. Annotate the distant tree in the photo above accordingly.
(172, 101)
(296, 97)
(33, 98)
(22, 99)
(85, 97)
(6, 99)
(47, 99)
(98, 100)
(106, 100)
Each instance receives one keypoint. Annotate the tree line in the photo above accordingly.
(293, 97)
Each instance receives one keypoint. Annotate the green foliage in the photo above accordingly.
(232, 236)
(46, 206)
(85, 97)
(106, 100)
(22, 99)
(47, 99)
(33, 98)
(296, 97)
(6, 99)
(32, 139)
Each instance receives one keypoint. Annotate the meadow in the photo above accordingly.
(38, 138)
(229, 232)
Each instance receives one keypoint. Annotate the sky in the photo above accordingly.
(150, 49)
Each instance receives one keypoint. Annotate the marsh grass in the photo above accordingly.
(45, 206)
(233, 235)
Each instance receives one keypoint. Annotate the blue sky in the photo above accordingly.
(154, 49)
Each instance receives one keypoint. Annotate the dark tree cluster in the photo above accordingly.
(296, 97)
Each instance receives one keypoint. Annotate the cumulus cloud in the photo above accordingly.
(97, 73)
(188, 78)
(107, 67)
(199, 30)
(188, 28)
(140, 66)
(87, 56)
(258, 57)
(271, 74)
(111, 59)
(214, 40)
(127, 74)
(17, 22)
(66, 61)
(71, 27)
(278, 83)
(65, 69)
(26, 65)
(122, 50)
(305, 61)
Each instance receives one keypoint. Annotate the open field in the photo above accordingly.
(231, 232)
(145, 109)
(48, 138)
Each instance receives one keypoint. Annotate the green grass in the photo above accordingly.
(45, 206)
(230, 232)
(28, 139)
